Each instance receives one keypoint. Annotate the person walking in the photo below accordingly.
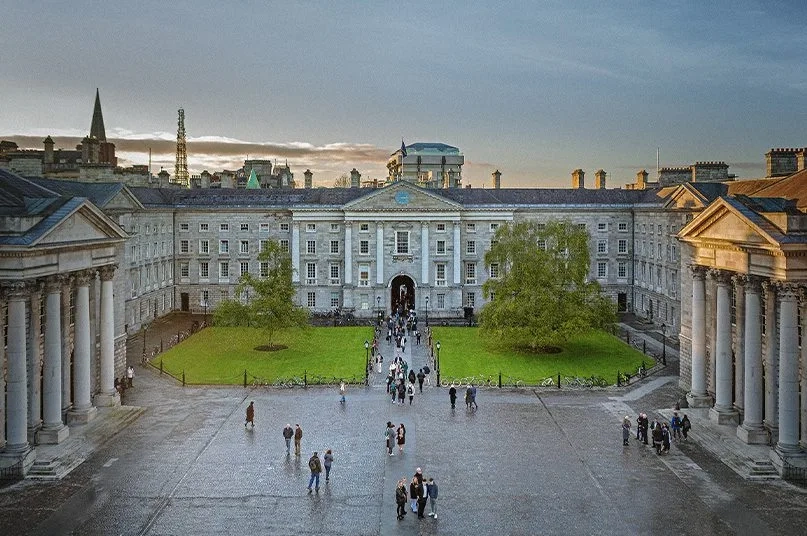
(342, 389)
(452, 396)
(401, 435)
(288, 433)
(389, 438)
(473, 397)
(412, 376)
(468, 397)
(315, 466)
(417, 338)
(250, 415)
(420, 490)
(685, 426)
(644, 426)
(400, 498)
(675, 424)
(421, 376)
(427, 371)
(298, 437)
(665, 438)
(393, 389)
(401, 392)
(413, 494)
(410, 391)
(129, 375)
(625, 430)
(431, 493)
(327, 461)
(657, 436)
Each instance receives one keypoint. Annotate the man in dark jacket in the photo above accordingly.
(298, 437)
(431, 493)
(316, 468)
(421, 377)
(452, 395)
(288, 433)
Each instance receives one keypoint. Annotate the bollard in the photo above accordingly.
(500, 379)
(558, 380)
(644, 347)
(161, 367)
(627, 336)
(183, 378)
(618, 379)
(245, 377)
(161, 345)
(305, 378)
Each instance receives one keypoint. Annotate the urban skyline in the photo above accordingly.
(532, 91)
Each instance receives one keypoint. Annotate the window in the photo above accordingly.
(622, 246)
(335, 300)
(184, 269)
(540, 226)
(204, 270)
(364, 247)
(602, 269)
(311, 273)
(441, 227)
(364, 275)
(284, 245)
(204, 247)
(441, 301)
(224, 246)
(184, 227)
(494, 227)
(622, 270)
(184, 246)
(225, 294)
(333, 274)
(334, 247)
(311, 299)
(441, 247)
(470, 299)
(245, 227)
(334, 227)
(224, 269)
(244, 268)
(284, 227)
(204, 298)
(264, 269)
(262, 245)
(659, 229)
(440, 275)
(311, 247)
(658, 255)
(542, 244)
(470, 247)
(224, 227)
(243, 247)
(264, 227)
(470, 227)
(602, 246)
(402, 242)
(622, 227)
(310, 227)
(494, 270)
(602, 226)
(470, 273)
(364, 227)
(581, 226)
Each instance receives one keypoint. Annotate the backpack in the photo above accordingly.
(410, 390)
(312, 464)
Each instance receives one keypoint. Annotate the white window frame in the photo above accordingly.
(401, 247)
(224, 269)
(224, 227)
(334, 268)
(310, 268)
(440, 274)
(602, 270)
(284, 245)
(622, 245)
(310, 227)
(602, 246)
(364, 227)
(184, 227)
(263, 227)
(284, 227)
(470, 247)
(310, 247)
(364, 247)
(224, 247)
(243, 267)
(204, 227)
(204, 270)
(334, 250)
(311, 299)
(364, 275)
(470, 273)
(441, 227)
(184, 270)
(494, 270)
(184, 246)
(470, 227)
(204, 247)
(243, 247)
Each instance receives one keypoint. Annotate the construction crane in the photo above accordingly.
(181, 167)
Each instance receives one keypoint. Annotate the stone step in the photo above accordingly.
(762, 470)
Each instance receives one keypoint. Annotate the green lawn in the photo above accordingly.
(463, 353)
(219, 355)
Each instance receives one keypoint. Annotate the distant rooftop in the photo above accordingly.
(431, 148)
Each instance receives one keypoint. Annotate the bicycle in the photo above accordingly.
(256, 382)
(548, 382)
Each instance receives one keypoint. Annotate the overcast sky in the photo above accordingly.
(535, 89)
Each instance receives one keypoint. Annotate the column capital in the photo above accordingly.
(753, 283)
(54, 283)
(722, 277)
(83, 277)
(740, 280)
(15, 289)
(768, 288)
(107, 272)
(697, 271)
(787, 290)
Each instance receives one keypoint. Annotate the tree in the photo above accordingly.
(271, 305)
(342, 181)
(542, 295)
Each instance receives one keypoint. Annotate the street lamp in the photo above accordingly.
(204, 304)
(427, 311)
(145, 330)
(366, 362)
(378, 305)
(437, 362)
(664, 344)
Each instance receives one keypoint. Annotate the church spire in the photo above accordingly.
(97, 127)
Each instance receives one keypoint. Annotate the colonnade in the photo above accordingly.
(765, 383)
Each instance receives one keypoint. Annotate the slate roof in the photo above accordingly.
(15, 190)
(100, 193)
(547, 196)
(60, 208)
(773, 231)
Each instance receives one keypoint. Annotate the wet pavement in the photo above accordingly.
(526, 462)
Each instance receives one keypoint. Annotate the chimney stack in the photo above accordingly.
(355, 178)
(309, 179)
(205, 179)
(800, 160)
(497, 179)
(641, 180)
(578, 179)
(48, 142)
(599, 179)
(782, 161)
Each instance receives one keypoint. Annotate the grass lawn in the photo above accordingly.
(463, 353)
(219, 355)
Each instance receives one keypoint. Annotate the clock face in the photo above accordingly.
(402, 198)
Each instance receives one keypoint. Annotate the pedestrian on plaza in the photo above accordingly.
(473, 396)
(342, 389)
(468, 396)
(675, 424)
(625, 430)
(379, 360)
(401, 435)
(685, 425)
(401, 392)
(389, 438)
(639, 427)
(327, 461)
(315, 466)
(129, 375)
(431, 493)
(298, 437)
(421, 378)
(657, 436)
(644, 426)
(410, 391)
(665, 438)
(288, 433)
(413, 494)
(393, 390)
(400, 498)
(412, 376)
(250, 415)
(452, 395)
(426, 371)
(421, 497)
(417, 338)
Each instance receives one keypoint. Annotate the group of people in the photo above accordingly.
(125, 382)
(315, 465)
(393, 436)
(419, 491)
(470, 396)
(661, 433)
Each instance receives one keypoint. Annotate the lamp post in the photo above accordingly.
(427, 311)
(378, 305)
(437, 362)
(664, 344)
(145, 330)
(366, 362)
(204, 304)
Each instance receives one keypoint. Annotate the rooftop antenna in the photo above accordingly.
(658, 161)
(149, 164)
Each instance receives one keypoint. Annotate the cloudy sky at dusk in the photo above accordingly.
(535, 89)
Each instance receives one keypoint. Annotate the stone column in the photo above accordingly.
(295, 252)
(752, 430)
(698, 397)
(107, 395)
(379, 253)
(16, 388)
(803, 367)
(348, 253)
(739, 341)
(3, 322)
(723, 412)
(53, 429)
(67, 348)
(34, 362)
(83, 410)
(788, 370)
(457, 251)
(424, 253)
(771, 363)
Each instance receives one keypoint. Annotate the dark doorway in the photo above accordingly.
(622, 302)
(402, 293)
(185, 301)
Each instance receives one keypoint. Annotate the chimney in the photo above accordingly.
(48, 142)
(781, 162)
(599, 179)
(497, 179)
(164, 178)
(355, 178)
(205, 179)
(801, 156)
(578, 179)
(641, 180)
(309, 179)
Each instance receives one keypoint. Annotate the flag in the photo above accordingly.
(403, 148)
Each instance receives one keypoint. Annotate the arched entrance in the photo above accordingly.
(402, 293)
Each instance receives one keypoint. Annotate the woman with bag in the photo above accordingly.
(401, 438)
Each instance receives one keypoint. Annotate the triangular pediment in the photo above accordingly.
(85, 223)
(728, 221)
(685, 197)
(123, 200)
(402, 196)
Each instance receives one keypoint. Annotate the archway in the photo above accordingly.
(402, 293)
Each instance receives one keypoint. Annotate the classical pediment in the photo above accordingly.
(728, 221)
(401, 196)
(123, 200)
(84, 223)
(685, 197)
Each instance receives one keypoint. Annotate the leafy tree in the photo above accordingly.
(271, 305)
(342, 181)
(542, 295)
